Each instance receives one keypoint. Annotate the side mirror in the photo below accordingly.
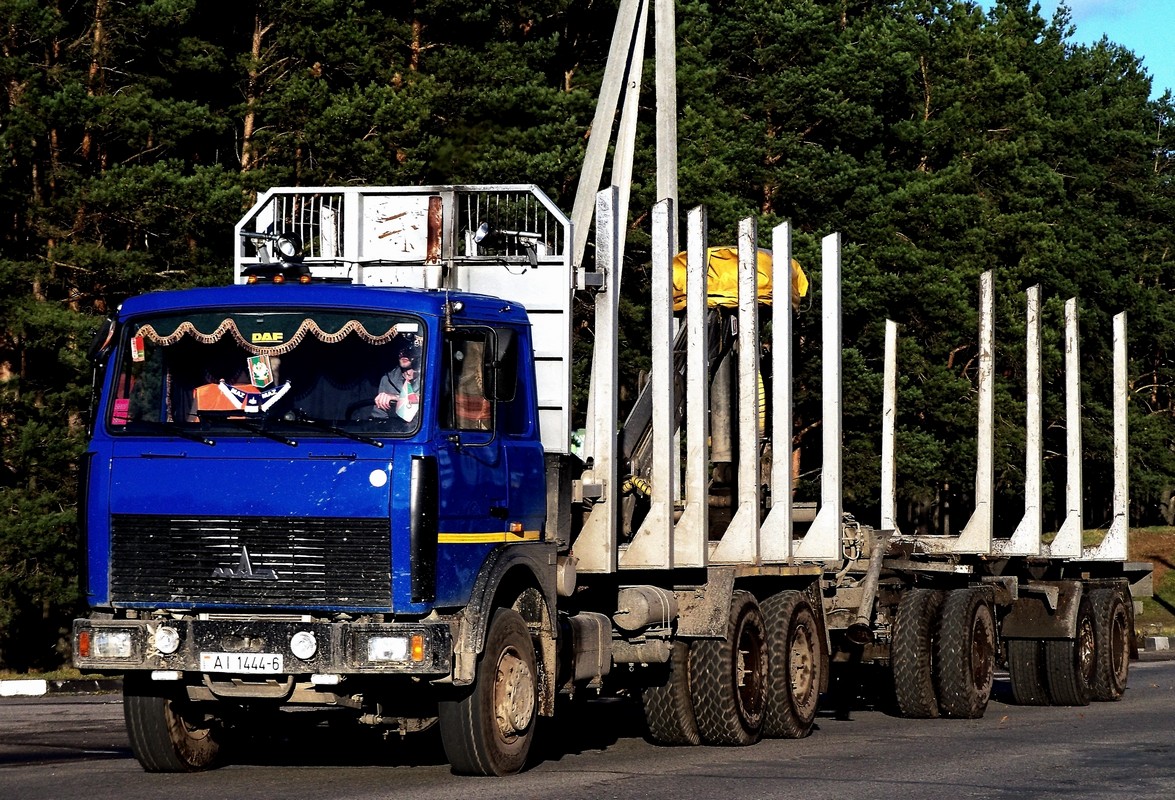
(100, 344)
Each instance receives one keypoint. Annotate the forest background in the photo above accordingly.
(940, 139)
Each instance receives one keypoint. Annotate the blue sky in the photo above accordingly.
(1144, 26)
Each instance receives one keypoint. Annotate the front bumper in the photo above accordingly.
(342, 648)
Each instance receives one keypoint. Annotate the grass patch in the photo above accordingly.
(63, 674)
(1156, 545)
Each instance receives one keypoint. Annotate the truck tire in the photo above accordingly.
(167, 732)
(489, 729)
(1111, 632)
(965, 655)
(1026, 670)
(669, 707)
(912, 653)
(729, 677)
(795, 660)
(1071, 664)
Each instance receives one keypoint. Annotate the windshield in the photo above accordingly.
(249, 372)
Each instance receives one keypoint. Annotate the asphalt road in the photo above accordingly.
(75, 747)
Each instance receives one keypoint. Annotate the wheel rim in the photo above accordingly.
(193, 731)
(982, 650)
(802, 666)
(513, 695)
(750, 672)
(1086, 650)
(1119, 646)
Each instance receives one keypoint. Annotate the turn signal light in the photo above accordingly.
(84, 644)
(418, 648)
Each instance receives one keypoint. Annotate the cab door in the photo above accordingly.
(473, 476)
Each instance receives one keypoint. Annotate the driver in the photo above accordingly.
(399, 388)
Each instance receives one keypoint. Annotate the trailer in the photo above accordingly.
(350, 481)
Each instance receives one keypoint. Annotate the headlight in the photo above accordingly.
(167, 640)
(396, 648)
(112, 644)
(303, 645)
(387, 648)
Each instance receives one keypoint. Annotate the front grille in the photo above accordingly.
(275, 561)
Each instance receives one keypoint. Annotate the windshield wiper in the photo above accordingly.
(175, 428)
(321, 425)
(249, 425)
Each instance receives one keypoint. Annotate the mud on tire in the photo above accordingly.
(669, 707)
(168, 733)
(914, 636)
(1070, 664)
(729, 677)
(796, 666)
(1026, 671)
(965, 654)
(1111, 632)
(488, 729)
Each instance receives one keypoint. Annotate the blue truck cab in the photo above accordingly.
(308, 490)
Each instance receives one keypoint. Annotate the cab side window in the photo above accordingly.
(468, 381)
(481, 388)
(513, 407)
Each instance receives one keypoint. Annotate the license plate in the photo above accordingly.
(247, 663)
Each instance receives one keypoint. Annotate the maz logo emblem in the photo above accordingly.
(244, 570)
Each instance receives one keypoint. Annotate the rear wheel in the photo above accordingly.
(729, 677)
(965, 654)
(1026, 670)
(795, 659)
(915, 630)
(167, 732)
(669, 708)
(1111, 633)
(488, 731)
(1071, 664)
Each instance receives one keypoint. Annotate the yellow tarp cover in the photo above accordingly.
(722, 284)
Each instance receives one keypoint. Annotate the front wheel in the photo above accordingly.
(168, 733)
(488, 731)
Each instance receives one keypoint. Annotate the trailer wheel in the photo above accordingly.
(915, 630)
(729, 677)
(1111, 633)
(488, 731)
(669, 708)
(168, 733)
(1071, 664)
(965, 656)
(1026, 670)
(796, 666)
